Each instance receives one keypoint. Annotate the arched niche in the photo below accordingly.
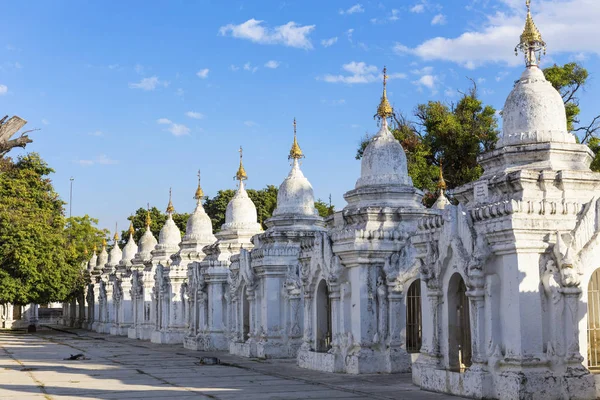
(459, 327)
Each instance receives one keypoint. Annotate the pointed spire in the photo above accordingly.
(85, 251)
(384, 110)
(116, 237)
(103, 243)
(148, 219)
(199, 192)
(131, 230)
(241, 172)
(296, 151)
(95, 248)
(170, 208)
(441, 182)
(532, 44)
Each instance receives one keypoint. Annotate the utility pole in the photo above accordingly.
(71, 198)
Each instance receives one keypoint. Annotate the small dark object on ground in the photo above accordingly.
(76, 357)
(31, 329)
(209, 361)
(27, 369)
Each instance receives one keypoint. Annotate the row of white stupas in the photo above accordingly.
(484, 299)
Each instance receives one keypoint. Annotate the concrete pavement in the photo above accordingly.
(33, 367)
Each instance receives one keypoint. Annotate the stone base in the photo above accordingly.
(142, 332)
(167, 337)
(120, 329)
(534, 385)
(247, 349)
(325, 362)
(191, 343)
(212, 342)
(132, 333)
(273, 348)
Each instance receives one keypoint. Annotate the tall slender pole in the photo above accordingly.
(71, 198)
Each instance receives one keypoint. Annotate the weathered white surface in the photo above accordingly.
(534, 112)
(241, 212)
(384, 161)
(295, 196)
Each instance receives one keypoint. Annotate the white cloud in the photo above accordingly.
(149, 84)
(175, 129)
(179, 92)
(290, 34)
(203, 73)
(250, 124)
(423, 71)
(439, 19)
(428, 81)
(349, 33)
(395, 15)
(329, 42)
(102, 159)
(417, 8)
(96, 133)
(194, 115)
(178, 129)
(568, 26)
(139, 68)
(233, 67)
(249, 67)
(359, 72)
(45, 121)
(3, 89)
(272, 64)
(357, 8)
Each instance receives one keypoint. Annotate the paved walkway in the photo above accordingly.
(33, 367)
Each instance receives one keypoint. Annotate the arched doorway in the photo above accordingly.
(413, 317)
(245, 316)
(323, 308)
(593, 321)
(459, 325)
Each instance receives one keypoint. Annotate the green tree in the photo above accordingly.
(34, 250)
(216, 206)
(569, 79)
(324, 209)
(453, 133)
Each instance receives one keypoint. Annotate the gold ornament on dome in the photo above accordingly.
(148, 219)
(95, 248)
(296, 151)
(199, 192)
(103, 242)
(170, 208)
(441, 182)
(241, 172)
(384, 110)
(532, 45)
(131, 230)
(116, 237)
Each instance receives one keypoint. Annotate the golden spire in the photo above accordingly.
(296, 151)
(85, 251)
(531, 43)
(441, 182)
(131, 230)
(116, 237)
(103, 243)
(384, 110)
(199, 192)
(170, 208)
(95, 248)
(241, 172)
(148, 219)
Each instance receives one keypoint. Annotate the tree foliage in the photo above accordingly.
(37, 261)
(324, 209)
(569, 80)
(451, 134)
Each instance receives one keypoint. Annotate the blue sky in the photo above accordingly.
(134, 97)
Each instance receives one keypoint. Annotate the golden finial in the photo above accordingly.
(531, 43)
(95, 248)
(170, 208)
(199, 192)
(116, 237)
(441, 182)
(241, 172)
(103, 243)
(148, 219)
(296, 151)
(131, 230)
(384, 110)
(85, 251)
